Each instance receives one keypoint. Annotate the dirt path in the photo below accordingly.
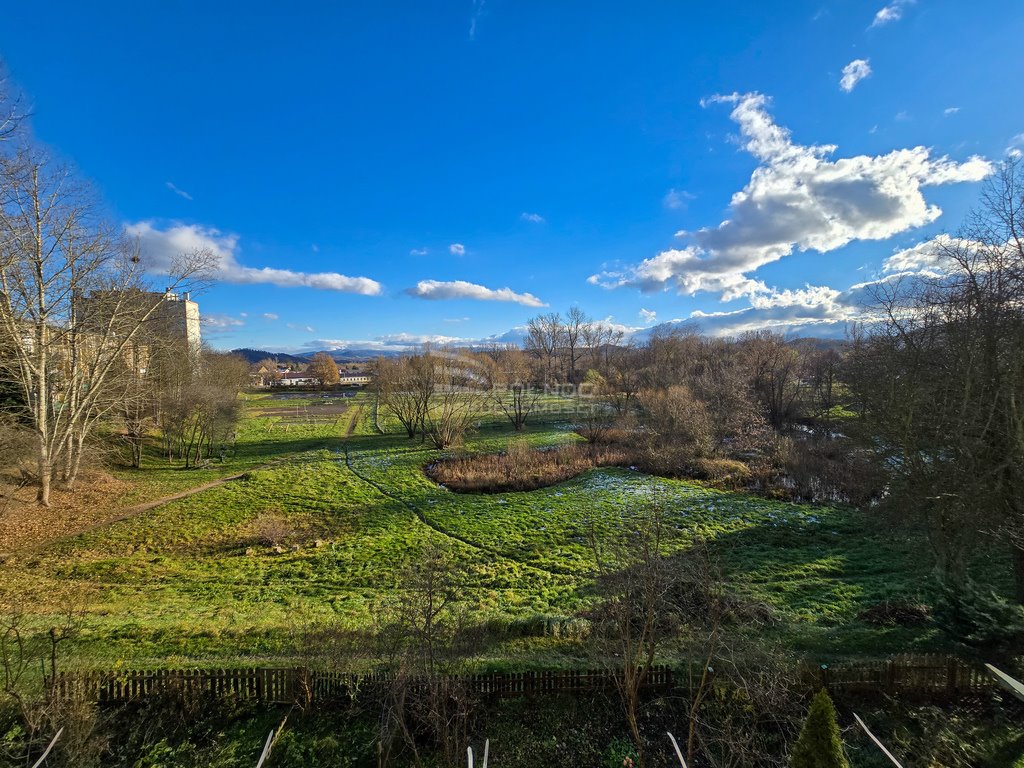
(136, 509)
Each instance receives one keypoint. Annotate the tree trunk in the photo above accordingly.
(45, 470)
(77, 443)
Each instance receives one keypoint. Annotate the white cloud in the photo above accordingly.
(928, 258)
(890, 13)
(533, 218)
(460, 289)
(1013, 149)
(456, 319)
(178, 192)
(675, 199)
(648, 316)
(457, 249)
(853, 73)
(797, 199)
(269, 316)
(219, 322)
(396, 342)
(306, 328)
(418, 252)
(162, 247)
(950, 110)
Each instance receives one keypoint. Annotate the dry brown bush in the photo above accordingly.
(521, 468)
(272, 529)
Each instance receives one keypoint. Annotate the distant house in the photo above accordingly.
(295, 379)
(349, 380)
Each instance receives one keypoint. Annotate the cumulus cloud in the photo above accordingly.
(178, 192)
(533, 218)
(853, 73)
(460, 289)
(457, 249)
(797, 199)
(648, 316)
(890, 13)
(162, 247)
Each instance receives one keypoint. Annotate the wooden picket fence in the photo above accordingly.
(928, 676)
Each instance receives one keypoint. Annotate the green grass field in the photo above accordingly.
(186, 583)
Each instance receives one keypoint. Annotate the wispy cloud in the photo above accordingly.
(457, 249)
(221, 322)
(178, 192)
(890, 13)
(950, 110)
(533, 218)
(853, 73)
(796, 199)
(162, 247)
(676, 199)
(474, 21)
(1013, 149)
(297, 327)
(270, 316)
(418, 252)
(648, 316)
(460, 289)
(395, 342)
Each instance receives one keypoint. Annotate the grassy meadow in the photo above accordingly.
(195, 582)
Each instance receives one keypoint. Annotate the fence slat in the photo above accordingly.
(932, 675)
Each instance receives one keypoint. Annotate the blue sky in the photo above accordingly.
(387, 172)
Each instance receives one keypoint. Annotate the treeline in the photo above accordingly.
(918, 413)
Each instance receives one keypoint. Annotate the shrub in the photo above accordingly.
(819, 745)
(896, 613)
(521, 468)
(271, 529)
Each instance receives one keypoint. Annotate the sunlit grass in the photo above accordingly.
(189, 582)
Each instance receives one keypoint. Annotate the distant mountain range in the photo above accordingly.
(339, 355)
(356, 355)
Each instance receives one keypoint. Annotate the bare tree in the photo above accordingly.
(396, 392)
(545, 334)
(574, 335)
(637, 616)
(512, 389)
(422, 641)
(601, 340)
(940, 380)
(12, 112)
(72, 298)
(455, 402)
(773, 367)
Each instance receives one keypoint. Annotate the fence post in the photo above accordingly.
(952, 674)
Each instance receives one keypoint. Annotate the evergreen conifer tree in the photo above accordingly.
(819, 745)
